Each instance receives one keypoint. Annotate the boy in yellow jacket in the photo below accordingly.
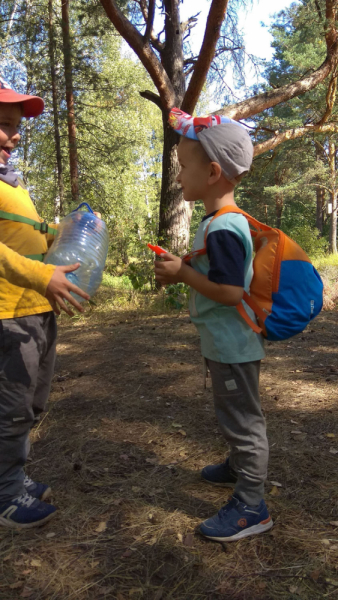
(29, 293)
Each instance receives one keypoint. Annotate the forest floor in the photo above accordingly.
(129, 428)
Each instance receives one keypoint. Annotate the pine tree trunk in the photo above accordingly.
(73, 159)
(320, 192)
(28, 64)
(279, 201)
(10, 23)
(175, 213)
(333, 227)
(279, 210)
(59, 199)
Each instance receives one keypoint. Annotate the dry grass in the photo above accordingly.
(329, 274)
(126, 477)
(330, 293)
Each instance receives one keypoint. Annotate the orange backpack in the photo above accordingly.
(286, 291)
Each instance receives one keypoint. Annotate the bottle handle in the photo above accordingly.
(83, 204)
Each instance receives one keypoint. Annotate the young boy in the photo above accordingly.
(214, 153)
(29, 290)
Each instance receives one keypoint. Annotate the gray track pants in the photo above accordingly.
(27, 358)
(238, 410)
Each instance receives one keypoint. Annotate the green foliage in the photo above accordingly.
(121, 282)
(119, 134)
(176, 295)
(328, 261)
(197, 216)
(290, 186)
(141, 274)
(309, 239)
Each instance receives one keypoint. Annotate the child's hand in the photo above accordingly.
(59, 288)
(170, 270)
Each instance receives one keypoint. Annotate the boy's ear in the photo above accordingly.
(215, 172)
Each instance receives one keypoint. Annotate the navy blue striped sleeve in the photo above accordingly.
(226, 255)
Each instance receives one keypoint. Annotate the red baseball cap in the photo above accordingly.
(32, 105)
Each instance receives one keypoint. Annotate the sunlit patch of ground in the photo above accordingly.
(130, 426)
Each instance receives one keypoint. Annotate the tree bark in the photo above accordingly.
(333, 224)
(292, 134)
(59, 199)
(165, 66)
(215, 19)
(143, 50)
(166, 70)
(10, 24)
(260, 102)
(279, 201)
(320, 192)
(175, 213)
(73, 159)
(256, 104)
(28, 65)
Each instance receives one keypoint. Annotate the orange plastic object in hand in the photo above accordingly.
(157, 249)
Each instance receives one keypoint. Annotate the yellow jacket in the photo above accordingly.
(23, 281)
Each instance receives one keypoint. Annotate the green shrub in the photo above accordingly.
(141, 275)
(176, 295)
(121, 282)
(308, 239)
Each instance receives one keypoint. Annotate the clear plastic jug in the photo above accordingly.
(82, 238)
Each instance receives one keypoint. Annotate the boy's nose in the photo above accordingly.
(16, 137)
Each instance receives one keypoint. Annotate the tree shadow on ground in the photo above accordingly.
(130, 426)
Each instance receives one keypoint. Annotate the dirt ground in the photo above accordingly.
(128, 430)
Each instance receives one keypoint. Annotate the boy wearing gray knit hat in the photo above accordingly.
(214, 154)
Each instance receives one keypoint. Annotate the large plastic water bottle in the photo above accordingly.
(82, 238)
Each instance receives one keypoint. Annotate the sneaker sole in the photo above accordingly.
(223, 485)
(46, 494)
(12, 525)
(254, 530)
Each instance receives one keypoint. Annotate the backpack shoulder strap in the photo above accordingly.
(43, 227)
(230, 208)
(240, 308)
(258, 226)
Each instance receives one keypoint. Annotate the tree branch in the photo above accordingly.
(190, 61)
(189, 71)
(148, 95)
(330, 98)
(193, 59)
(155, 41)
(292, 134)
(256, 104)
(143, 51)
(319, 10)
(190, 23)
(150, 20)
(215, 19)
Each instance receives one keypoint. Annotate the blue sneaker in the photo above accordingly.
(41, 491)
(221, 475)
(236, 520)
(25, 512)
